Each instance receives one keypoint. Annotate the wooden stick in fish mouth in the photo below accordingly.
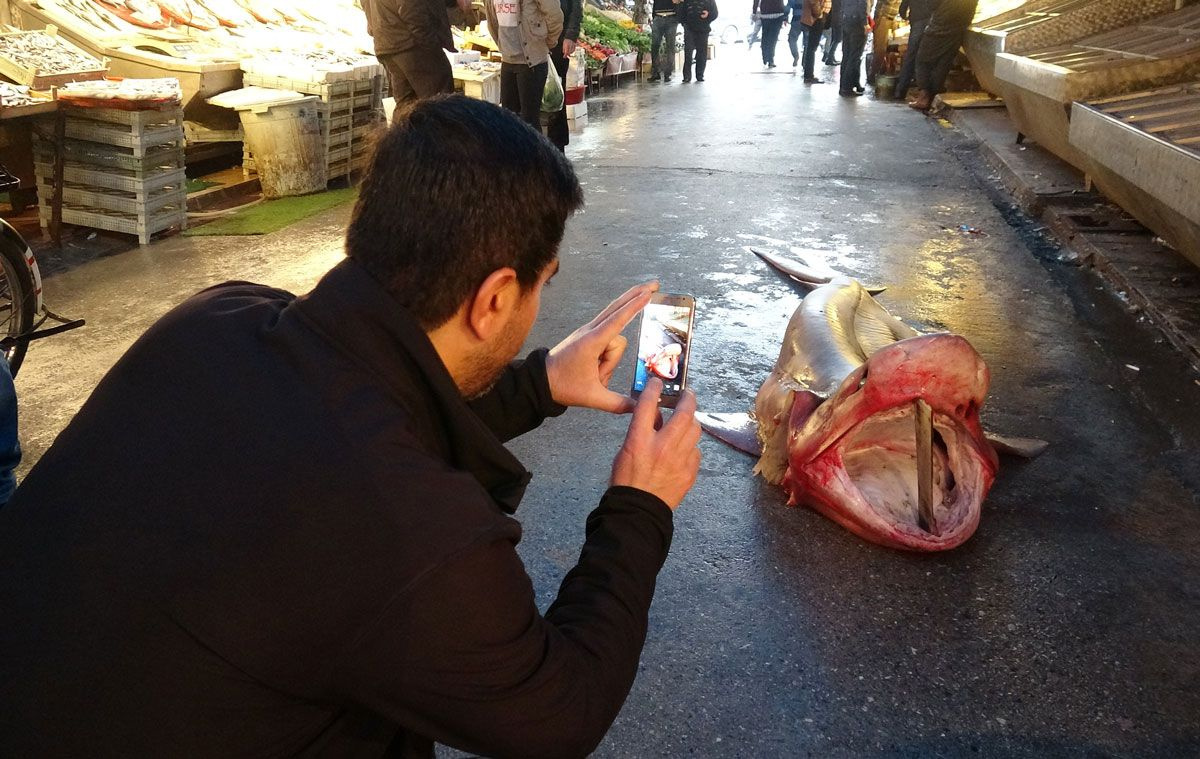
(923, 416)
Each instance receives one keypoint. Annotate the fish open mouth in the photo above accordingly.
(882, 470)
(911, 413)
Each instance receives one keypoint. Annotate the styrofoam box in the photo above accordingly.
(462, 58)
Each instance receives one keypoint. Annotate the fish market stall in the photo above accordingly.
(1143, 151)
(35, 62)
(1041, 85)
(1046, 23)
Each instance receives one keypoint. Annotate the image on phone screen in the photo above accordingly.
(663, 347)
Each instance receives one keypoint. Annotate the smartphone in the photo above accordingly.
(664, 345)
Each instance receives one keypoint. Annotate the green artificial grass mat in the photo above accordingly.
(196, 185)
(273, 215)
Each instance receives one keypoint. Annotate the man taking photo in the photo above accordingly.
(281, 526)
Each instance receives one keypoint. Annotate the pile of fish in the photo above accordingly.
(45, 53)
(871, 423)
(15, 95)
(160, 90)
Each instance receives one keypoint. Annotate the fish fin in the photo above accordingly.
(1024, 447)
(739, 430)
(797, 270)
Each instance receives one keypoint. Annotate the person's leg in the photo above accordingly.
(672, 34)
(510, 95)
(657, 32)
(812, 38)
(835, 40)
(401, 89)
(689, 46)
(558, 130)
(428, 71)
(908, 69)
(701, 55)
(854, 40)
(793, 36)
(755, 34)
(10, 445)
(770, 39)
(531, 82)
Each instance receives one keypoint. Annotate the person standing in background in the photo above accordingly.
(833, 33)
(947, 28)
(854, 41)
(772, 13)
(663, 31)
(558, 130)
(409, 37)
(697, 17)
(808, 19)
(916, 13)
(525, 30)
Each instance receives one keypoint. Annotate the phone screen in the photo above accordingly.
(663, 345)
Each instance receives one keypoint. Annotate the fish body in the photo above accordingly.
(839, 426)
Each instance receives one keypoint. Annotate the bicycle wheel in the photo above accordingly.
(17, 297)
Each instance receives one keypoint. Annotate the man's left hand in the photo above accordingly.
(568, 47)
(580, 367)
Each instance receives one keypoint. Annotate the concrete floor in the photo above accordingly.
(1066, 627)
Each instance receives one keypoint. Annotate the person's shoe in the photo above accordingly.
(686, 80)
(770, 65)
(666, 79)
(859, 89)
(829, 62)
(653, 78)
(813, 80)
(922, 103)
(849, 93)
(699, 79)
(795, 62)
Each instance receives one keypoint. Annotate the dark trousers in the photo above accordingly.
(939, 45)
(558, 130)
(812, 38)
(854, 41)
(663, 30)
(833, 38)
(770, 38)
(908, 69)
(417, 73)
(695, 43)
(521, 88)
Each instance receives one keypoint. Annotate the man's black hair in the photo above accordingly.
(457, 189)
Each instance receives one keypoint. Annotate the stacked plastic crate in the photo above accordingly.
(123, 170)
(352, 110)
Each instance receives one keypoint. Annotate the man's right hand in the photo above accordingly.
(663, 462)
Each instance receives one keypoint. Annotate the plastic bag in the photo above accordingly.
(552, 94)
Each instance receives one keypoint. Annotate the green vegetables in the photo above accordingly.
(601, 30)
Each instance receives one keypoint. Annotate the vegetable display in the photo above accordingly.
(603, 37)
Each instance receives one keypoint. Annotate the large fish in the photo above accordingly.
(873, 424)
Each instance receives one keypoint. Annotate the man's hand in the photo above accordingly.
(580, 367)
(703, 14)
(568, 47)
(662, 462)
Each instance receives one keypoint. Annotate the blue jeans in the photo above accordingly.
(663, 31)
(812, 38)
(10, 446)
(908, 69)
(770, 38)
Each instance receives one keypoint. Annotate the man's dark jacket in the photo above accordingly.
(397, 26)
(276, 529)
(689, 14)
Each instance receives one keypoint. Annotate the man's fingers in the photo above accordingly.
(611, 358)
(646, 410)
(615, 403)
(684, 419)
(633, 293)
(611, 325)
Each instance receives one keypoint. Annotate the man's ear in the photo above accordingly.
(493, 304)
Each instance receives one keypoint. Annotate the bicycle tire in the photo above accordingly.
(18, 298)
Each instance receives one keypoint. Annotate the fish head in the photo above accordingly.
(854, 458)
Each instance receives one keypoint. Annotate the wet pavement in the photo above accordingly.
(1067, 626)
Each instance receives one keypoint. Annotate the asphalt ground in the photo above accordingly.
(1065, 627)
